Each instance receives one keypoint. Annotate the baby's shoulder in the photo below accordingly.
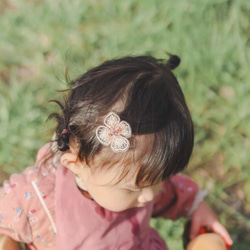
(27, 200)
(34, 183)
(42, 171)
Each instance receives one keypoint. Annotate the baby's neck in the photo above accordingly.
(80, 184)
(82, 188)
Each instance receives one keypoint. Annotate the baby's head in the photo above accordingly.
(155, 139)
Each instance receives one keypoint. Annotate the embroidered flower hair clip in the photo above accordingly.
(114, 133)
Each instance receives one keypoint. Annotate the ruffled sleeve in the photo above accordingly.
(13, 220)
(176, 198)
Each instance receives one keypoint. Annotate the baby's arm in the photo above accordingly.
(176, 198)
(204, 216)
(13, 220)
(181, 197)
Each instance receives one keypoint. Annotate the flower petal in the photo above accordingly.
(119, 144)
(124, 129)
(104, 135)
(112, 120)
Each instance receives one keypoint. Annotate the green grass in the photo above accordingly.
(40, 39)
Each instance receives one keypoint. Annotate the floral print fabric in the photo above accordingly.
(43, 208)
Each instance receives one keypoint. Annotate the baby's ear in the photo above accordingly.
(70, 161)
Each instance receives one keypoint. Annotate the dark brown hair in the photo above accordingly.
(148, 97)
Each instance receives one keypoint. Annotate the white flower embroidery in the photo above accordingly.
(114, 133)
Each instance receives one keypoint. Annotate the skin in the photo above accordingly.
(204, 216)
(7, 243)
(106, 189)
(207, 241)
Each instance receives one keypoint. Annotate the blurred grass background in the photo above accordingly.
(40, 39)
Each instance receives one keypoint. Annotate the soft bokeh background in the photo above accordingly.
(39, 40)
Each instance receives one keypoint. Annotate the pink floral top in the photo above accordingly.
(44, 208)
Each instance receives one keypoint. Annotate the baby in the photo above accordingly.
(123, 134)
